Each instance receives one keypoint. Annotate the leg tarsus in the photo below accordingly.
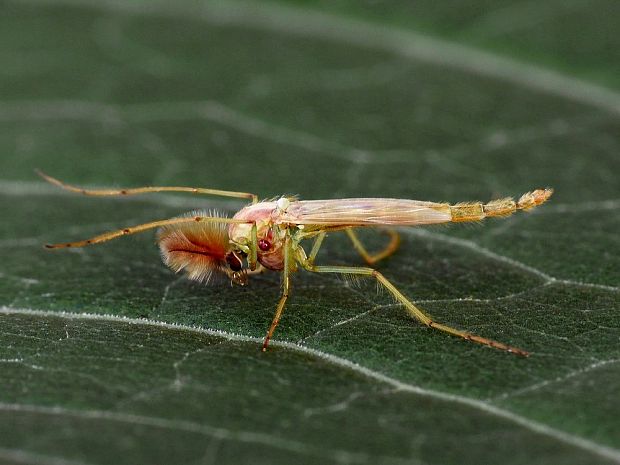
(478, 339)
(275, 321)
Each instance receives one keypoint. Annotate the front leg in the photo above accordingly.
(285, 290)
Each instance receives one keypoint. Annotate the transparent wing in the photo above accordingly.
(366, 212)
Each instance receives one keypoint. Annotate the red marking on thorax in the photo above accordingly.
(263, 214)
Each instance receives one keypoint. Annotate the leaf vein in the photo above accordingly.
(562, 436)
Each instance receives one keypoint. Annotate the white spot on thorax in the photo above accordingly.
(282, 204)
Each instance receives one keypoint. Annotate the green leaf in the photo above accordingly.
(107, 357)
(577, 37)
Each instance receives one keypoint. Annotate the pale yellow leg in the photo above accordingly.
(144, 190)
(285, 292)
(143, 227)
(316, 246)
(414, 311)
(372, 259)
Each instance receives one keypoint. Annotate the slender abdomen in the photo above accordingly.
(401, 212)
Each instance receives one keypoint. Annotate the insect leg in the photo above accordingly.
(253, 246)
(285, 291)
(414, 311)
(316, 246)
(372, 259)
(144, 190)
(143, 227)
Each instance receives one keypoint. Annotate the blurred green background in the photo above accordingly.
(107, 357)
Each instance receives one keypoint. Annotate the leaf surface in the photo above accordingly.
(108, 357)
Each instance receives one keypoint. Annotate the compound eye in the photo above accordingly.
(233, 261)
(264, 245)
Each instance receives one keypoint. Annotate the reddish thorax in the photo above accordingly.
(265, 214)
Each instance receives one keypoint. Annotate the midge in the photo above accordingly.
(269, 235)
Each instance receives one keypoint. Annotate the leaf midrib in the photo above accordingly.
(485, 407)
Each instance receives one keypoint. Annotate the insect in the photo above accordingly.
(268, 235)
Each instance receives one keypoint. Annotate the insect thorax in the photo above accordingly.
(269, 234)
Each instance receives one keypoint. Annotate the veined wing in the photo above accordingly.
(366, 212)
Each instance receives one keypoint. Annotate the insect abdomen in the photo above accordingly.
(476, 211)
